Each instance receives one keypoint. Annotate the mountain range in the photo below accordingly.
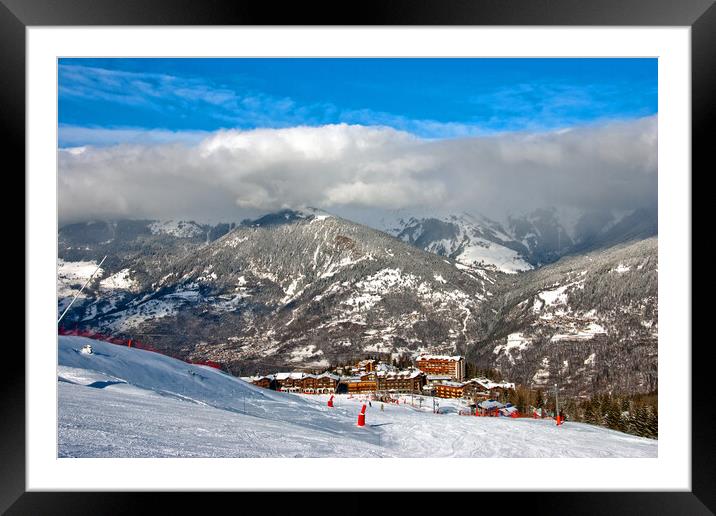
(537, 298)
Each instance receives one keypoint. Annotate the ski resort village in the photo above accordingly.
(120, 401)
(385, 383)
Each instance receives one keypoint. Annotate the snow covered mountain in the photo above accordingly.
(469, 240)
(525, 241)
(588, 322)
(543, 234)
(549, 234)
(126, 402)
(308, 289)
(293, 288)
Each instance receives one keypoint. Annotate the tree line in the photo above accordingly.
(635, 414)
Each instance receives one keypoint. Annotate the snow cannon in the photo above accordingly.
(330, 401)
(361, 416)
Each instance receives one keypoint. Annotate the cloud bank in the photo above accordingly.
(231, 174)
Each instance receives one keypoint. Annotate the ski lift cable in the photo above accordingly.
(123, 264)
(83, 287)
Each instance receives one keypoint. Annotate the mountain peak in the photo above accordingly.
(287, 216)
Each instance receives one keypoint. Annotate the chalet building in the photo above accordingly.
(360, 384)
(267, 382)
(453, 366)
(387, 381)
(475, 391)
(485, 389)
(401, 381)
(385, 368)
(324, 383)
(308, 384)
(433, 379)
(289, 382)
(449, 389)
(327, 383)
(368, 377)
(366, 365)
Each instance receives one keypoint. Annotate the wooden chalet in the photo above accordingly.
(484, 389)
(289, 382)
(401, 381)
(453, 366)
(324, 383)
(449, 389)
(267, 382)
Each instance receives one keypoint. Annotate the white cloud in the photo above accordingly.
(231, 174)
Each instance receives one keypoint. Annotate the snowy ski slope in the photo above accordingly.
(122, 402)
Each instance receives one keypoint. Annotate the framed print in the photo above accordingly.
(389, 252)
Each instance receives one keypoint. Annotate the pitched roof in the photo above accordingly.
(454, 358)
(328, 375)
(488, 404)
(292, 375)
(451, 384)
(489, 384)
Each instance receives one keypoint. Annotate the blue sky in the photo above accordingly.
(109, 101)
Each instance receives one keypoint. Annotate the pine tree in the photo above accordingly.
(613, 417)
(640, 426)
(570, 409)
(589, 415)
(519, 399)
(594, 411)
(652, 422)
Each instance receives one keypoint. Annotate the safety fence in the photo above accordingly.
(132, 343)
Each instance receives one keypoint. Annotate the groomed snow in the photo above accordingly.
(122, 402)
(126, 402)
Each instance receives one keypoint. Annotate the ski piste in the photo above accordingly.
(121, 401)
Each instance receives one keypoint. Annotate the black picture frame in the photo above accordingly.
(17, 15)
